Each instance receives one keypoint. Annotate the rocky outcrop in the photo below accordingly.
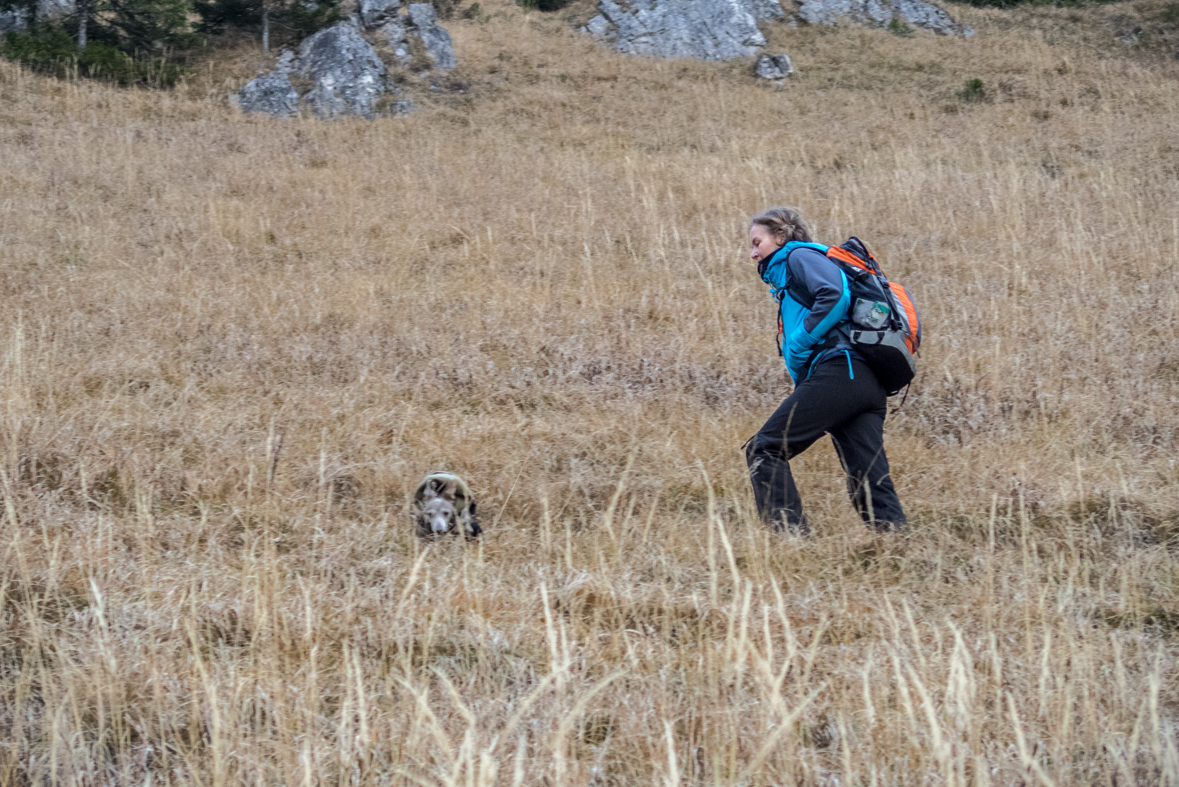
(270, 94)
(396, 36)
(13, 21)
(774, 67)
(880, 13)
(17, 18)
(346, 74)
(423, 22)
(374, 13)
(702, 29)
(420, 21)
(727, 29)
(48, 10)
(338, 72)
(767, 10)
(341, 74)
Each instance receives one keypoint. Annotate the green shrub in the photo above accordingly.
(52, 51)
(289, 22)
(974, 91)
(147, 25)
(304, 18)
(44, 50)
(215, 16)
(543, 5)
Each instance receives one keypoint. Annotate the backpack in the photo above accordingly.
(883, 326)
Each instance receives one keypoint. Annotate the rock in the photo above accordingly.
(397, 37)
(13, 20)
(374, 13)
(346, 74)
(930, 17)
(286, 62)
(768, 10)
(703, 29)
(879, 13)
(423, 22)
(271, 94)
(598, 27)
(1130, 37)
(16, 18)
(776, 67)
(55, 9)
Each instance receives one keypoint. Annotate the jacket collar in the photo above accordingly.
(774, 260)
(765, 263)
(768, 264)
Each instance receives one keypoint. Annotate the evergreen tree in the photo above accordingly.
(149, 26)
(267, 19)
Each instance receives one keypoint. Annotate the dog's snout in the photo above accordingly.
(439, 524)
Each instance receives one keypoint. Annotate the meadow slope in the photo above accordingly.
(231, 346)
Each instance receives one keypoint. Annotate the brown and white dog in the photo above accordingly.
(443, 504)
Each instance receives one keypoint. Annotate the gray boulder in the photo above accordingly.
(17, 18)
(768, 10)
(286, 62)
(374, 13)
(396, 35)
(930, 17)
(775, 67)
(702, 29)
(13, 20)
(55, 9)
(271, 94)
(346, 74)
(423, 22)
(879, 13)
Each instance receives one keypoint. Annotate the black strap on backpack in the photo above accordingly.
(860, 249)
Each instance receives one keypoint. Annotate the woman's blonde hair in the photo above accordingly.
(784, 224)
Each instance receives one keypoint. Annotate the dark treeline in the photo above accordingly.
(146, 41)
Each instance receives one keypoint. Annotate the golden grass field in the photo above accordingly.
(231, 346)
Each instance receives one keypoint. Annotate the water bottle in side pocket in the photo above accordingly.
(870, 314)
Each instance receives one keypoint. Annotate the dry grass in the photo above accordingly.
(232, 346)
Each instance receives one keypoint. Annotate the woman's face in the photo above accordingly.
(761, 243)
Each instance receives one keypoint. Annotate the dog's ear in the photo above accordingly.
(448, 492)
(429, 493)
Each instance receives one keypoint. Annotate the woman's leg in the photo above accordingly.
(827, 399)
(860, 445)
(768, 453)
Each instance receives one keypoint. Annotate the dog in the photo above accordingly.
(443, 505)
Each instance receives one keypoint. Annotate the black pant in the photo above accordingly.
(851, 410)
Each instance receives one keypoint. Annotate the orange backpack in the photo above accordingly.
(883, 323)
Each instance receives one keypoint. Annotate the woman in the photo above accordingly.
(835, 392)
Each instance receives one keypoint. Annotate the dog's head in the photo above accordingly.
(443, 505)
(437, 515)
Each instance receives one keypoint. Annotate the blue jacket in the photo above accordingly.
(814, 299)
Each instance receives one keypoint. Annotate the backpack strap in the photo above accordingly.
(855, 252)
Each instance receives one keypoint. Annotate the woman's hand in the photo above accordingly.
(797, 351)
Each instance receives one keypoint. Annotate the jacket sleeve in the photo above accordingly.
(827, 287)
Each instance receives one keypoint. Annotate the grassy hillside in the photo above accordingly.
(231, 346)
